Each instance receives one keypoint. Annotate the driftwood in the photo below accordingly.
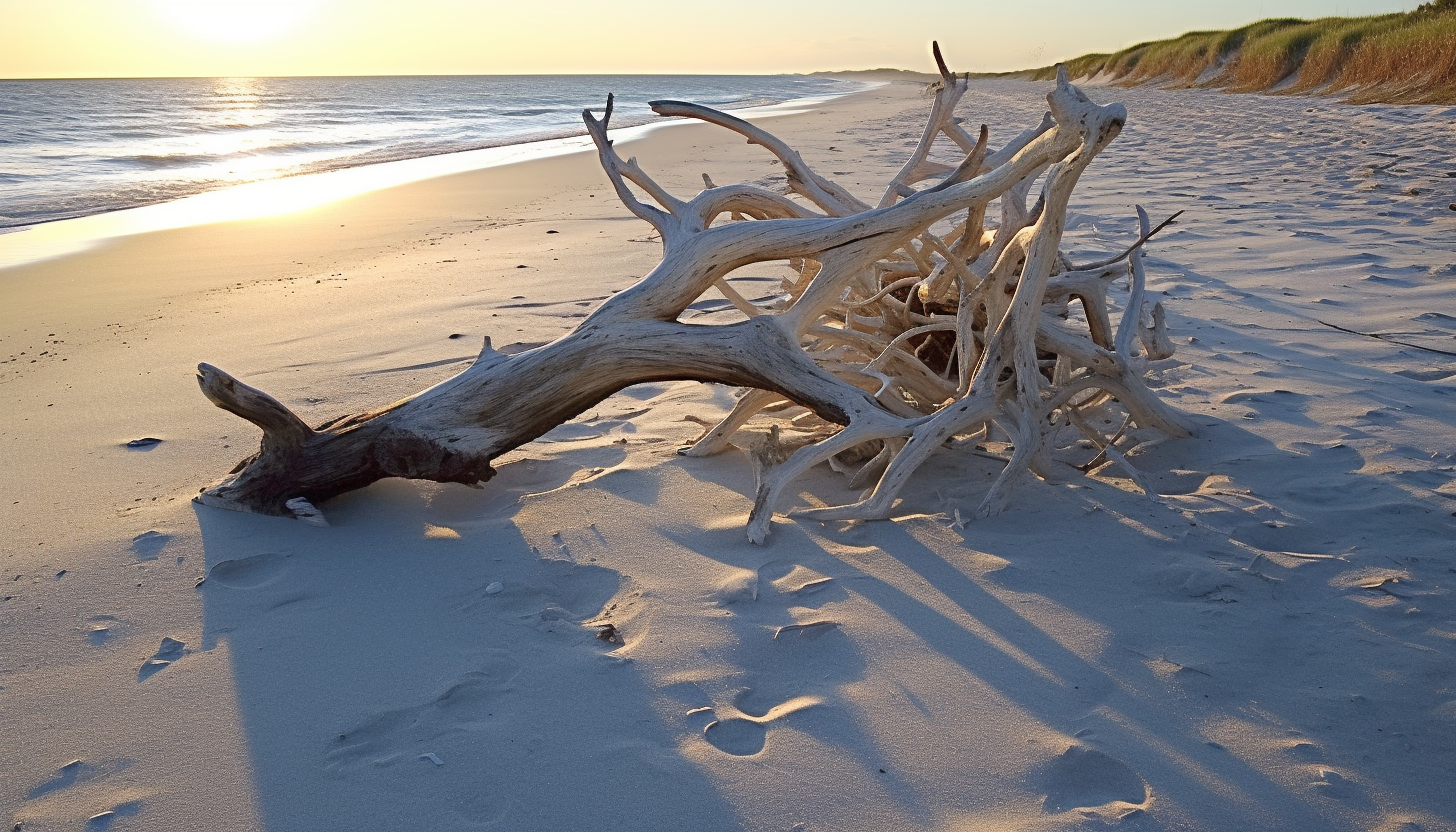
(909, 323)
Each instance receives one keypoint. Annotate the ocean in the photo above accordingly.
(71, 148)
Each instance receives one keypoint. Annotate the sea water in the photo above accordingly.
(71, 148)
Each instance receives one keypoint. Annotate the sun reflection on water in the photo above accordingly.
(238, 103)
(268, 197)
(261, 194)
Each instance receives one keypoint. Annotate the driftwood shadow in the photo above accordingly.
(366, 703)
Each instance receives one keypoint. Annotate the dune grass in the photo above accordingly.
(1407, 58)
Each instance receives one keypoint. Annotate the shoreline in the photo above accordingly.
(1264, 639)
(308, 189)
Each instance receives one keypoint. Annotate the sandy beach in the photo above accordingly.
(1266, 641)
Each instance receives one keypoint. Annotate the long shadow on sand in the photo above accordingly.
(1225, 648)
(392, 676)
(1265, 649)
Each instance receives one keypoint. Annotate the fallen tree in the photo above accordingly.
(907, 323)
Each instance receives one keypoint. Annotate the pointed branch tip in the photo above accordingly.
(940, 62)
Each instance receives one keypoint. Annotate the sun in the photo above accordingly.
(235, 21)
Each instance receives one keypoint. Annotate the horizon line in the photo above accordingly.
(463, 75)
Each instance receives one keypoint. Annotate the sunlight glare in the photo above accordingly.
(235, 21)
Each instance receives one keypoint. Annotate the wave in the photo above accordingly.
(176, 160)
(87, 147)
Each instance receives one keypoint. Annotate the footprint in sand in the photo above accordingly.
(249, 573)
(1335, 786)
(783, 577)
(102, 821)
(149, 544)
(74, 772)
(77, 773)
(765, 595)
(799, 584)
(737, 736)
(1083, 778)
(104, 630)
(170, 651)
(806, 589)
(809, 630)
(1304, 751)
(747, 734)
(741, 587)
(400, 735)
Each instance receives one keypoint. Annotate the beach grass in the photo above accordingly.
(1404, 58)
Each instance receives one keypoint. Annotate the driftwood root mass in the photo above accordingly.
(907, 324)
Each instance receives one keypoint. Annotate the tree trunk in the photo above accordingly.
(875, 287)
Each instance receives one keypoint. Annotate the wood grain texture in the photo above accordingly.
(907, 324)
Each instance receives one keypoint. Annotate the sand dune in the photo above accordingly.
(1398, 58)
(1267, 641)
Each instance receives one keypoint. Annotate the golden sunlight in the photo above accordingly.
(235, 21)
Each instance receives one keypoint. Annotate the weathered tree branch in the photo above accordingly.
(900, 337)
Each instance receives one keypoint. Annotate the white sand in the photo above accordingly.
(1267, 644)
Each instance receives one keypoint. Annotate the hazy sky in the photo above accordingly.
(127, 38)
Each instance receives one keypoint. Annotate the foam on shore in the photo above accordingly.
(28, 244)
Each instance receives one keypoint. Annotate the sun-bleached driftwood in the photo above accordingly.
(906, 325)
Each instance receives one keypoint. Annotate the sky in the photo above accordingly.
(227, 38)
